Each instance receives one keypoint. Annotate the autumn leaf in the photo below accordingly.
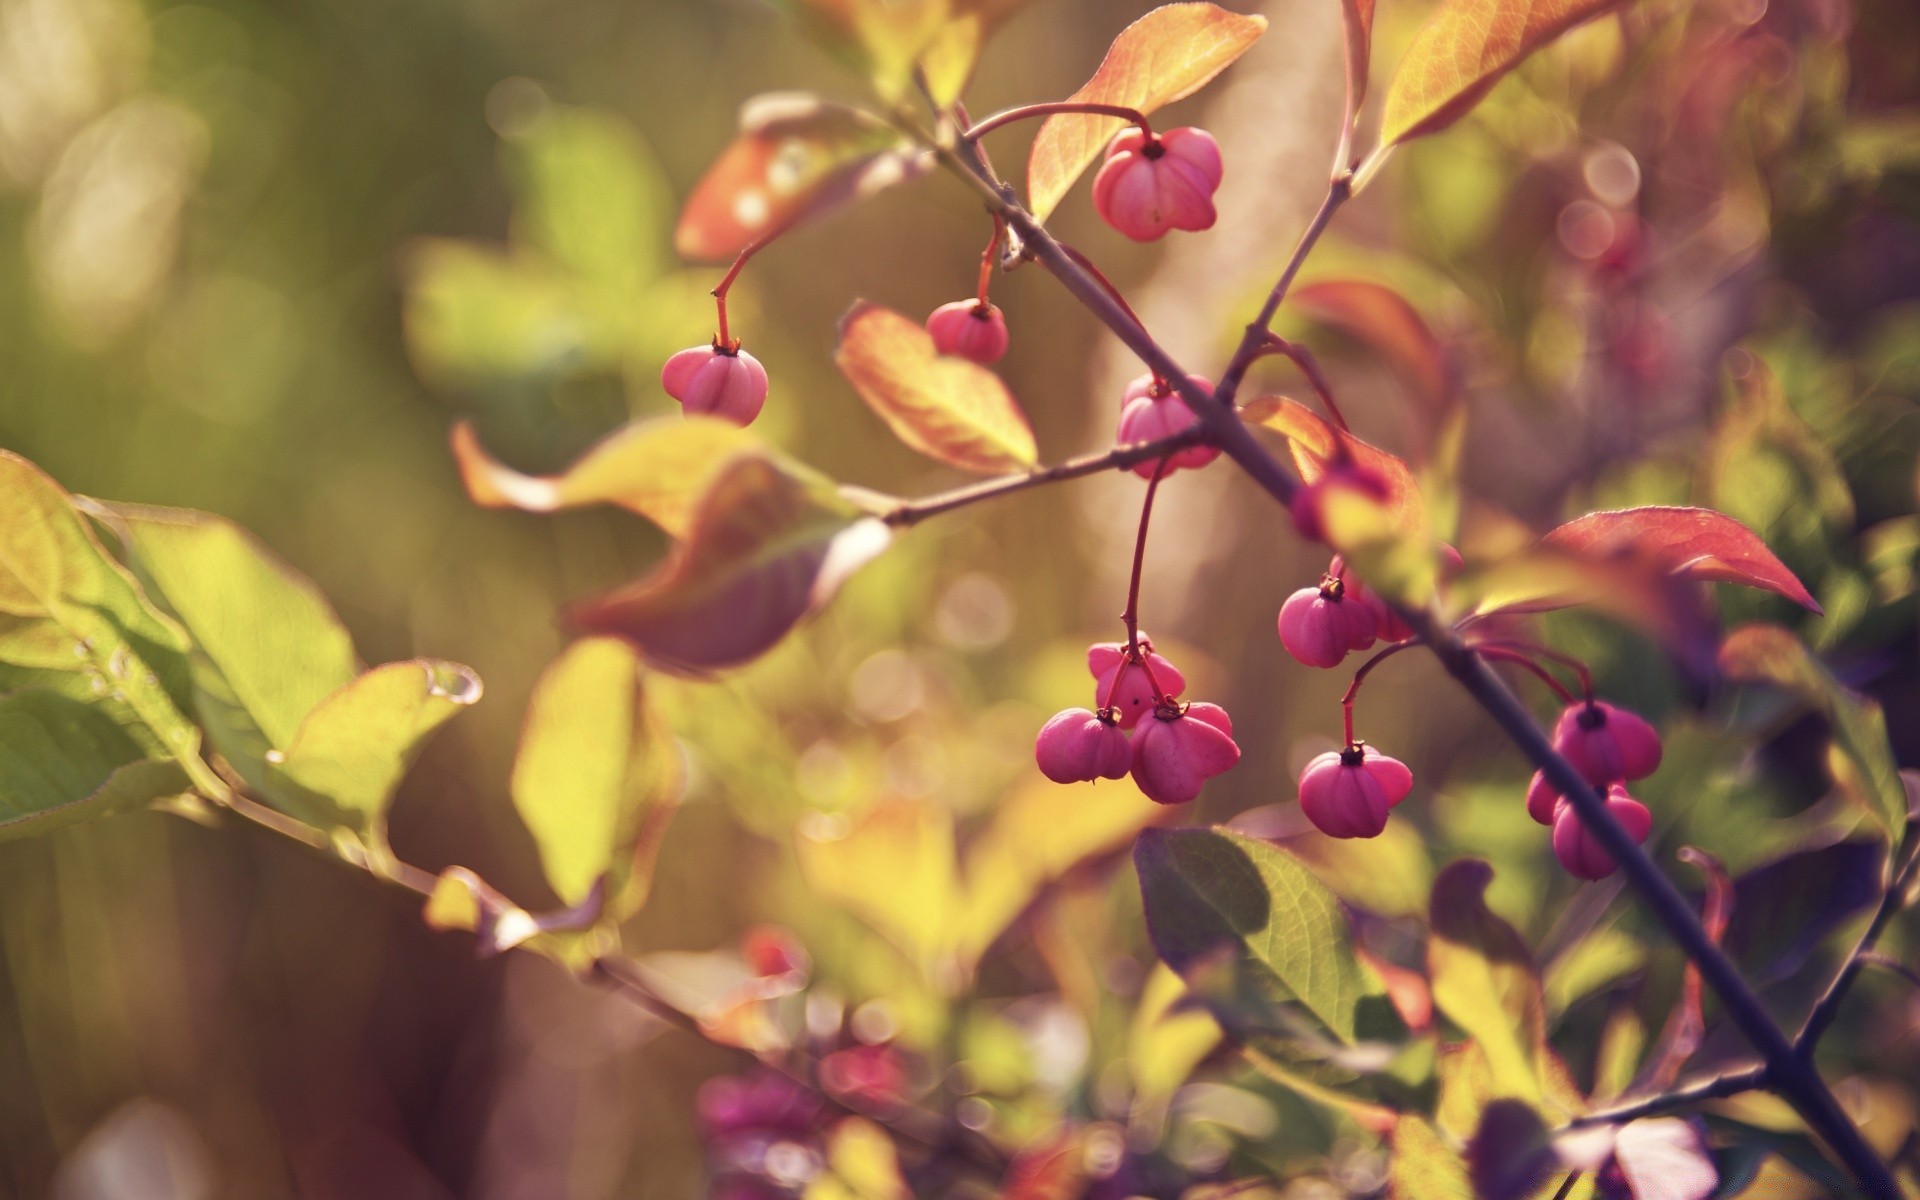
(945, 407)
(1356, 18)
(656, 468)
(1165, 56)
(797, 157)
(1693, 543)
(767, 544)
(1465, 48)
(949, 58)
(1381, 319)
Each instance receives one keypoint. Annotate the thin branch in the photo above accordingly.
(974, 133)
(1309, 367)
(1822, 1015)
(1262, 325)
(1888, 963)
(911, 512)
(1716, 1087)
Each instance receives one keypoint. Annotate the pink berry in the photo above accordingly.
(1348, 793)
(1132, 696)
(969, 329)
(1309, 503)
(1178, 750)
(1148, 186)
(731, 385)
(1318, 625)
(1390, 627)
(1542, 799)
(1607, 744)
(1580, 852)
(1149, 413)
(1077, 746)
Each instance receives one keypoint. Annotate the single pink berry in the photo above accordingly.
(1607, 744)
(1077, 746)
(1348, 793)
(1180, 749)
(1542, 798)
(1309, 502)
(1580, 852)
(730, 384)
(1149, 185)
(1131, 697)
(1149, 412)
(1319, 625)
(969, 329)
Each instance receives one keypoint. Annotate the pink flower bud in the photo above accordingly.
(1318, 625)
(1148, 186)
(705, 379)
(1542, 799)
(1348, 793)
(1077, 746)
(1146, 417)
(1309, 503)
(1607, 744)
(1177, 751)
(969, 329)
(1132, 697)
(1580, 852)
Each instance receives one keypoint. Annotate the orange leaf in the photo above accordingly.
(1357, 18)
(1165, 56)
(655, 468)
(1381, 319)
(767, 545)
(1693, 543)
(1465, 48)
(946, 408)
(797, 156)
(1317, 446)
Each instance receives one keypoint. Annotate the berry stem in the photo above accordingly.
(987, 257)
(1568, 661)
(1262, 325)
(912, 512)
(1359, 677)
(1131, 617)
(1086, 264)
(974, 133)
(1520, 658)
(1302, 358)
(723, 339)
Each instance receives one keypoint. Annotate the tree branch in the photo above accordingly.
(1824, 1010)
(1716, 1087)
(911, 512)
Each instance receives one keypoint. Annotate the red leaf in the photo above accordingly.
(797, 156)
(1381, 319)
(1317, 446)
(1693, 543)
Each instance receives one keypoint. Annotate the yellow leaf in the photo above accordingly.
(895, 868)
(1465, 48)
(946, 408)
(1165, 56)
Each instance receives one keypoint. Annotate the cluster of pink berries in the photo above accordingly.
(1321, 625)
(1610, 747)
(1173, 749)
(1151, 410)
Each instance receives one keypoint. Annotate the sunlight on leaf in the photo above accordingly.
(596, 775)
(767, 545)
(1484, 980)
(1465, 48)
(352, 749)
(656, 468)
(1165, 56)
(947, 408)
(1316, 446)
(895, 868)
(797, 157)
(1425, 1167)
(64, 762)
(949, 58)
(1167, 1039)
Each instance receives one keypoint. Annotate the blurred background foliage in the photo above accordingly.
(256, 257)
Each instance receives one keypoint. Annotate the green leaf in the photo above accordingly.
(1425, 1167)
(895, 868)
(73, 619)
(62, 762)
(1858, 755)
(1484, 980)
(349, 753)
(590, 196)
(267, 647)
(595, 777)
(1167, 1039)
(1219, 901)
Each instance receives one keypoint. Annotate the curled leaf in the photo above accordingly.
(1318, 447)
(1167, 55)
(1693, 543)
(1465, 48)
(1356, 17)
(767, 544)
(797, 156)
(656, 468)
(946, 408)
